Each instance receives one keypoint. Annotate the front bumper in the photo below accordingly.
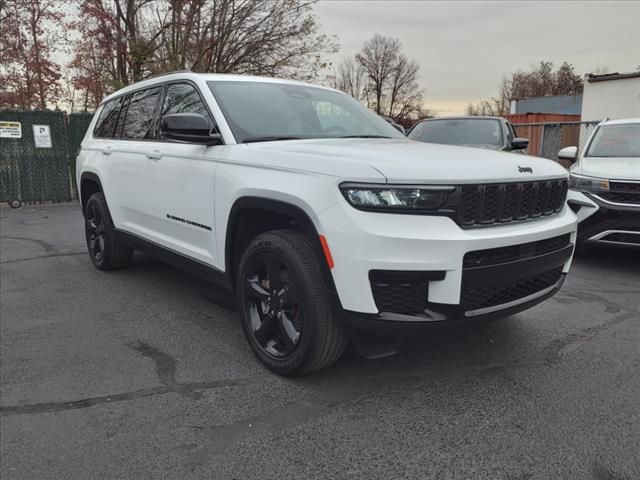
(391, 324)
(607, 223)
(433, 249)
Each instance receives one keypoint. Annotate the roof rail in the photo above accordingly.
(167, 73)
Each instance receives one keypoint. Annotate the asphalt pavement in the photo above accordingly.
(145, 374)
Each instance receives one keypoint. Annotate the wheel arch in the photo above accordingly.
(89, 184)
(246, 208)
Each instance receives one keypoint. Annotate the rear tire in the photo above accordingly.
(106, 252)
(283, 303)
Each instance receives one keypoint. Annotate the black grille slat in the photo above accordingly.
(499, 294)
(495, 256)
(622, 197)
(541, 199)
(526, 204)
(535, 208)
(501, 196)
(623, 237)
(480, 206)
(519, 194)
(490, 204)
(400, 298)
(547, 200)
(503, 203)
(552, 244)
(604, 220)
(625, 187)
(509, 203)
(470, 196)
(553, 196)
(399, 292)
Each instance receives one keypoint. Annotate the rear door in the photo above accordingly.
(184, 181)
(134, 139)
(101, 149)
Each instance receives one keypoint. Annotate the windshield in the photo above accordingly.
(484, 133)
(263, 111)
(621, 140)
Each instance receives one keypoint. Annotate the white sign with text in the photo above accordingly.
(42, 136)
(10, 130)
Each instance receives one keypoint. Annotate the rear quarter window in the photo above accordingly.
(107, 120)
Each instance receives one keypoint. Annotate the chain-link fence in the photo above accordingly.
(38, 150)
(547, 139)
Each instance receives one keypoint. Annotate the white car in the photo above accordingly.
(605, 184)
(316, 213)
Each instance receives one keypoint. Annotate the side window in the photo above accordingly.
(107, 119)
(139, 121)
(184, 98)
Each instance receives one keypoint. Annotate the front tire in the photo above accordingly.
(284, 307)
(106, 252)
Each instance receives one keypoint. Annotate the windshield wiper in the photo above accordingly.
(364, 136)
(271, 139)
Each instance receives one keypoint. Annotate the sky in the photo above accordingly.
(465, 48)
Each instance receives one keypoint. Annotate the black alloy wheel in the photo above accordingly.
(95, 228)
(105, 249)
(283, 301)
(275, 311)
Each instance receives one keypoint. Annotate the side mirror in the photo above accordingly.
(568, 153)
(188, 127)
(519, 143)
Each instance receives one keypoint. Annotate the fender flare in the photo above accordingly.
(283, 208)
(88, 176)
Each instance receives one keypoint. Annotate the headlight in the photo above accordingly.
(588, 184)
(399, 198)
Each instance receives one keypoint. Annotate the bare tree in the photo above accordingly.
(383, 78)
(541, 80)
(405, 95)
(274, 38)
(123, 41)
(490, 108)
(351, 79)
(379, 57)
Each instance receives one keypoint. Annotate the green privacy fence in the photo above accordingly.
(38, 151)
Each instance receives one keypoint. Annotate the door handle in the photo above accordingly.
(106, 151)
(154, 155)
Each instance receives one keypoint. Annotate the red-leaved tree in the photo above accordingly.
(29, 77)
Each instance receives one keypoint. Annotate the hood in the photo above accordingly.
(612, 168)
(407, 161)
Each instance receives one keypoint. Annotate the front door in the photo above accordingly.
(184, 182)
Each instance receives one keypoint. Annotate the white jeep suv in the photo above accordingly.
(319, 215)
